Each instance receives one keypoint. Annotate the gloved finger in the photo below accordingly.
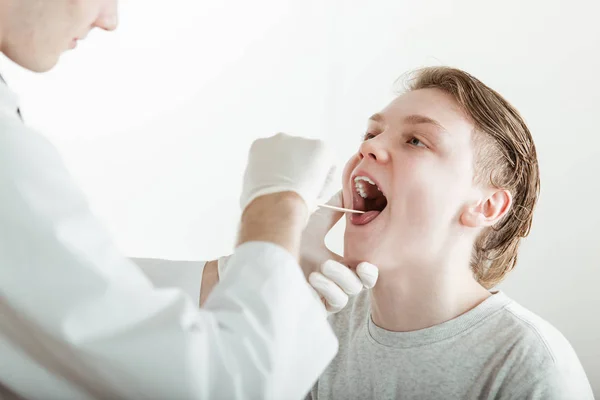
(368, 274)
(342, 276)
(318, 297)
(336, 200)
(334, 296)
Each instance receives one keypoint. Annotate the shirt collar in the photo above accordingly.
(9, 101)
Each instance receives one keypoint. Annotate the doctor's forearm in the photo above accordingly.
(277, 218)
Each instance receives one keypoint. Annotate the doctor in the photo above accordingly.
(80, 321)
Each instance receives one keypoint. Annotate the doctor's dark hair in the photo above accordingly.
(505, 157)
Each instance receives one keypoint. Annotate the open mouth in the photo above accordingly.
(366, 197)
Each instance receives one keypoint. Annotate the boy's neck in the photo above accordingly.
(417, 297)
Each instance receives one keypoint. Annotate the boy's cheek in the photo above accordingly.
(348, 168)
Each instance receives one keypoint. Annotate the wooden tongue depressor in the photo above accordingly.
(341, 209)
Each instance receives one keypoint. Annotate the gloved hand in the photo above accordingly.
(333, 281)
(284, 163)
(336, 283)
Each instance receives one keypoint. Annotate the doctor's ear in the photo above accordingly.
(488, 211)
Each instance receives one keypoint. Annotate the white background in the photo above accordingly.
(155, 120)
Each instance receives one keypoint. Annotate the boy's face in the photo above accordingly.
(36, 32)
(419, 151)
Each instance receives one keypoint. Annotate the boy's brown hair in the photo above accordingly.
(505, 158)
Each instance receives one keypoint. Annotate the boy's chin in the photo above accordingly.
(384, 258)
(353, 257)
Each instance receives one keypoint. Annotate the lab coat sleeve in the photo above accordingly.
(185, 275)
(79, 320)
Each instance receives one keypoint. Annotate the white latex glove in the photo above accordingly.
(284, 163)
(336, 283)
(333, 281)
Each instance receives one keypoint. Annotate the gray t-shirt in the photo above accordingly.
(498, 350)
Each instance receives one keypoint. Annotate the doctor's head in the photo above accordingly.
(34, 33)
(449, 170)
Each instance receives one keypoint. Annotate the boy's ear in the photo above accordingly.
(488, 210)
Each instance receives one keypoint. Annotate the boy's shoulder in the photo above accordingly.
(539, 352)
(529, 335)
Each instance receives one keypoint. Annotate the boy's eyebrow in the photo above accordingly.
(421, 119)
(376, 117)
(411, 119)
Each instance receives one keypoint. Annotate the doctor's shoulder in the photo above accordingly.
(35, 184)
(23, 149)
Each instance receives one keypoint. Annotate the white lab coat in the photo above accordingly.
(184, 275)
(80, 321)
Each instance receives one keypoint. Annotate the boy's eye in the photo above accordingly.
(416, 142)
(368, 136)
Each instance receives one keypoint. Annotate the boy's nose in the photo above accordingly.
(108, 18)
(373, 149)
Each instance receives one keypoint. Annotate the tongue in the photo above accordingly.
(363, 219)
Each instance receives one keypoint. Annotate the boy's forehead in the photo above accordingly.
(433, 104)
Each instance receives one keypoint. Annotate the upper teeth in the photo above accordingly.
(360, 189)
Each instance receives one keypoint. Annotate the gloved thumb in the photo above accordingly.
(328, 185)
(322, 220)
(368, 274)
